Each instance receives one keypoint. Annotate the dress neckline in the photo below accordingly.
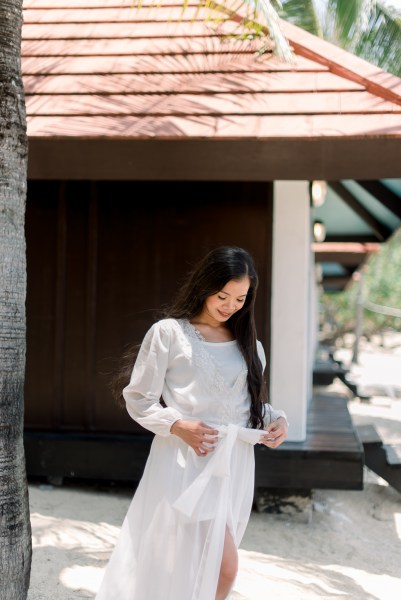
(206, 360)
(228, 343)
(205, 341)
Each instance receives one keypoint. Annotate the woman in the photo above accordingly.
(197, 383)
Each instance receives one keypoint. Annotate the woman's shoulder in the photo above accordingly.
(166, 326)
(171, 331)
(166, 323)
(160, 334)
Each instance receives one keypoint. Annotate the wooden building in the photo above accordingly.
(152, 138)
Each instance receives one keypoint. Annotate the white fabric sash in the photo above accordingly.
(217, 466)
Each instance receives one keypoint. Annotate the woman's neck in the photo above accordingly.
(211, 330)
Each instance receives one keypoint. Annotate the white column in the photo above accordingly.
(290, 369)
(313, 316)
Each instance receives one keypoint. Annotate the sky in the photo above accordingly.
(395, 3)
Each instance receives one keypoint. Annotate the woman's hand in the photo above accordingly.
(276, 433)
(196, 434)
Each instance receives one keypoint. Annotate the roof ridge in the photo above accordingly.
(376, 80)
(310, 46)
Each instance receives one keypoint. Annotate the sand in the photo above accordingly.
(350, 548)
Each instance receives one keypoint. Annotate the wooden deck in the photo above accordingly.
(331, 456)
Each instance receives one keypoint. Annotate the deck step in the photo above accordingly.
(346, 378)
(368, 434)
(382, 459)
(331, 456)
(326, 369)
(393, 454)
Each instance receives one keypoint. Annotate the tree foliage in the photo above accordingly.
(381, 287)
(370, 29)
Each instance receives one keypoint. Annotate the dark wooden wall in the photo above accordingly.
(103, 257)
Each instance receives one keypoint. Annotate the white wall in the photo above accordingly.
(291, 361)
(313, 316)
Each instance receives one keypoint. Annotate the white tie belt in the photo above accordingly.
(217, 466)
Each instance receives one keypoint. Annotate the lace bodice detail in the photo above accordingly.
(206, 363)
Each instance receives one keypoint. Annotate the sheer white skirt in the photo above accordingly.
(171, 541)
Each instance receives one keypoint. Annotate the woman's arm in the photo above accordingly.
(142, 395)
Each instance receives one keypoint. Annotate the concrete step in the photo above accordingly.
(393, 454)
(368, 435)
(346, 378)
(383, 459)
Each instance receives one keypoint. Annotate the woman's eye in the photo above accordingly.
(239, 300)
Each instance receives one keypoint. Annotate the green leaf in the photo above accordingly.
(302, 13)
(370, 29)
(381, 42)
(346, 20)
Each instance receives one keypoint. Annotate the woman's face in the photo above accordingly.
(227, 301)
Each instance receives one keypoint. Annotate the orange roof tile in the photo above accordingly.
(102, 68)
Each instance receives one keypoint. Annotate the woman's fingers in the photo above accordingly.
(203, 450)
(273, 442)
(206, 430)
(205, 439)
(196, 434)
(275, 434)
(208, 436)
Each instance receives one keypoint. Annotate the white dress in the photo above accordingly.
(171, 542)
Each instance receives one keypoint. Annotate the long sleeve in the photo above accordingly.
(271, 414)
(142, 395)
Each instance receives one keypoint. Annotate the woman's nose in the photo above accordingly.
(231, 305)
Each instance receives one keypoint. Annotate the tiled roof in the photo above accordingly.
(101, 68)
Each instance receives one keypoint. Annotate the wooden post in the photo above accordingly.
(358, 317)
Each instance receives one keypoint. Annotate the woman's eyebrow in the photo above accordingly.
(240, 296)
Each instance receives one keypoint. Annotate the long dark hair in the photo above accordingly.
(210, 275)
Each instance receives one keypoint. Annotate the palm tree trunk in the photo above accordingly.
(15, 531)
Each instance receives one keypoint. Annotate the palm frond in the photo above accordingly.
(302, 13)
(272, 22)
(251, 19)
(380, 43)
(346, 20)
(255, 19)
